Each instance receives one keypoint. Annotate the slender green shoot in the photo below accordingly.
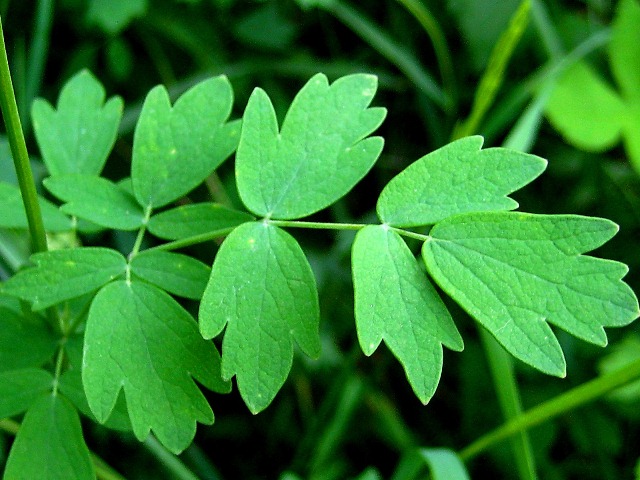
(389, 49)
(494, 74)
(570, 400)
(19, 152)
(430, 25)
(506, 387)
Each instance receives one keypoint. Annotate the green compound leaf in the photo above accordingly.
(320, 153)
(65, 274)
(79, 135)
(176, 273)
(515, 273)
(49, 444)
(395, 301)
(196, 219)
(262, 288)
(98, 200)
(24, 343)
(12, 214)
(176, 148)
(19, 389)
(140, 339)
(457, 178)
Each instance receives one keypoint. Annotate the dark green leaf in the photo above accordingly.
(78, 136)
(176, 273)
(98, 200)
(176, 148)
(196, 219)
(19, 389)
(12, 214)
(114, 15)
(65, 274)
(457, 178)
(320, 153)
(515, 273)
(262, 288)
(49, 444)
(395, 302)
(141, 340)
(24, 342)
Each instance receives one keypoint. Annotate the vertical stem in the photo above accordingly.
(504, 382)
(37, 55)
(19, 152)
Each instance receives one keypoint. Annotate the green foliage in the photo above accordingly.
(457, 178)
(396, 302)
(77, 136)
(497, 266)
(153, 349)
(176, 148)
(262, 288)
(49, 444)
(587, 110)
(166, 271)
(320, 153)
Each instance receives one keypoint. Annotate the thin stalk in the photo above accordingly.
(443, 56)
(574, 398)
(37, 54)
(331, 438)
(494, 74)
(19, 152)
(178, 470)
(389, 49)
(506, 387)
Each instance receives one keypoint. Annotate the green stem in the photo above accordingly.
(559, 405)
(19, 152)
(494, 74)
(439, 42)
(9, 426)
(141, 232)
(172, 463)
(389, 49)
(37, 55)
(58, 371)
(506, 387)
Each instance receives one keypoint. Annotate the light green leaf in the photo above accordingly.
(12, 214)
(444, 464)
(176, 273)
(624, 55)
(24, 343)
(141, 340)
(78, 136)
(65, 274)
(196, 219)
(98, 200)
(49, 444)
(395, 302)
(585, 109)
(320, 153)
(262, 288)
(515, 273)
(176, 148)
(19, 389)
(114, 15)
(457, 178)
(70, 384)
